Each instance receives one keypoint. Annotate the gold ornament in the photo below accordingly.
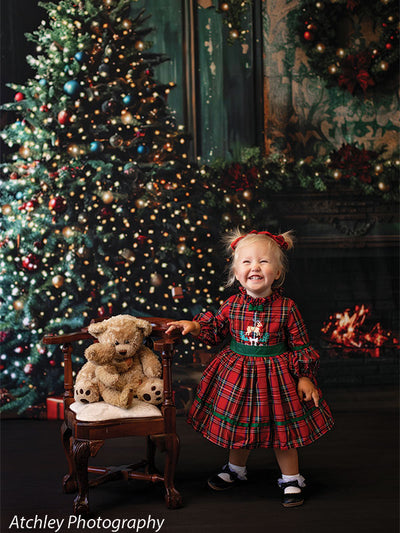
(18, 305)
(234, 34)
(108, 197)
(127, 24)
(332, 69)
(126, 117)
(139, 45)
(384, 187)
(128, 254)
(320, 48)
(68, 232)
(6, 209)
(224, 6)
(156, 279)
(337, 174)
(340, 52)
(58, 281)
(384, 65)
(247, 195)
(378, 168)
(181, 248)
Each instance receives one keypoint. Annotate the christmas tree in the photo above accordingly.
(102, 211)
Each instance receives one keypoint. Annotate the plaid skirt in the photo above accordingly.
(252, 402)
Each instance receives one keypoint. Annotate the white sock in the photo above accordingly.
(241, 472)
(293, 490)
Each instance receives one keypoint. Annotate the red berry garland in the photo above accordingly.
(359, 68)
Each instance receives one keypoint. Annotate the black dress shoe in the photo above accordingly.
(292, 499)
(217, 483)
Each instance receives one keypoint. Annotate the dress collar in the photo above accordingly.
(276, 293)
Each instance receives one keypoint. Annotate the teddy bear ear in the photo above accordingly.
(97, 328)
(144, 325)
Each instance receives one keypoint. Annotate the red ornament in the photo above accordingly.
(58, 204)
(44, 108)
(28, 368)
(19, 97)
(31, 262)
(106, 212)
(308, 36)
(389, 46)
(64, 117)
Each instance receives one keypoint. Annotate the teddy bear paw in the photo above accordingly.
(151, 391)
(86, 394)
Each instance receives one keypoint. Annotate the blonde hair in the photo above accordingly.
(249, 238)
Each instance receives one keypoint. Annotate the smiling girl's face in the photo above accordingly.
(256, 267)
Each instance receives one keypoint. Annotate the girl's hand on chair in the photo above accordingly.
(185, 326)
(307, 391)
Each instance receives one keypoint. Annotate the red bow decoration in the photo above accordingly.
(280, 241)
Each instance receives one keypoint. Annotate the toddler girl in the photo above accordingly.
(260, 391)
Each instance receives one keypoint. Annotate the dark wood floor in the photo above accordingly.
(352, 475)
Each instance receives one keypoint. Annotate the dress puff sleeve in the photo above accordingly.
(303, 359)
(214, 328)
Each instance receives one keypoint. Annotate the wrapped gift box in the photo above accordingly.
(55, 408)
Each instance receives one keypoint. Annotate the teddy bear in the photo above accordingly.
(119, 367)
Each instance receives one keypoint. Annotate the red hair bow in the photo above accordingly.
(280, 241)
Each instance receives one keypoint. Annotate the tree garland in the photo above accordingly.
(358, 66)
(234, 14)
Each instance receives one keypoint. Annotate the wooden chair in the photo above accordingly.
(82, 440)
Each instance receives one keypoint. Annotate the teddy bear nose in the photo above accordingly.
(122, 352)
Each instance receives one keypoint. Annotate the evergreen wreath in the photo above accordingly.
(356, 66)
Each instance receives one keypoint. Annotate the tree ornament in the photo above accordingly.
(383, 186)
(127, 100)
(96, 147)
(28, 368)
(104, 70)
(109, 106)
(128, 254)
(68, 232)
(71, 88)
(58, 281)
(107, 197)
(19, 97)
(116, 141)
(18, 305)
(79, 56)
(126, 117)
(156, 279)
(31, 262)
(64, 117)
(127, 24)
(57, 204)
(106, 212)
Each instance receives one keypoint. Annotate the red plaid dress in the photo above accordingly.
(249, 399)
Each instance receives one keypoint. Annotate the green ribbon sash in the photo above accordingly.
(258, 351)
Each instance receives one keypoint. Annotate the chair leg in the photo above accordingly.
(151, 452)
(69, 480)
(81, 454)
(173, 498)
